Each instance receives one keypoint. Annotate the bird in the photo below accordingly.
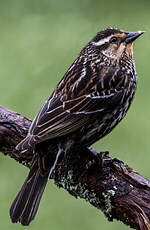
(93, 96)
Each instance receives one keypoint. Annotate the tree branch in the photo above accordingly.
(115, 189)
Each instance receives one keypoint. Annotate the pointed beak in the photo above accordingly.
(132, 36)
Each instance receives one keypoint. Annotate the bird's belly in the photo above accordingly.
(101, 126)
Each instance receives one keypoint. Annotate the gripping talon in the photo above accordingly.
(104, 160)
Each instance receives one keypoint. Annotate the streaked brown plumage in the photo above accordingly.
(90, 100)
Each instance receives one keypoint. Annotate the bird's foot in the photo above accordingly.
(104, 160)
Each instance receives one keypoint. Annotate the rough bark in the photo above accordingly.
(116, 189)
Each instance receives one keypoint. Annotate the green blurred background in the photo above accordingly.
(39, 40)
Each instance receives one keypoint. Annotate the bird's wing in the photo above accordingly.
(59, 116)
(71, 115)
(54, 120)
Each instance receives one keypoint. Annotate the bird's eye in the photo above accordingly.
(113, 39)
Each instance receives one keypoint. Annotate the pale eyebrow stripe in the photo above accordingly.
(101, 42)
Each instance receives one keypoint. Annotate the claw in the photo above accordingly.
(104, 160)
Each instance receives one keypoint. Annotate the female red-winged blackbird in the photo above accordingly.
(90, 100)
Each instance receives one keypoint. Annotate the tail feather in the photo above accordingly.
(26, 203)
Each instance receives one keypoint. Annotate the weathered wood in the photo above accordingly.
(117, 190)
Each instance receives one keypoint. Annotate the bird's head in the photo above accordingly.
(114, 43)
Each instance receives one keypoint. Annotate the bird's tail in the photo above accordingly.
(25, 205)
